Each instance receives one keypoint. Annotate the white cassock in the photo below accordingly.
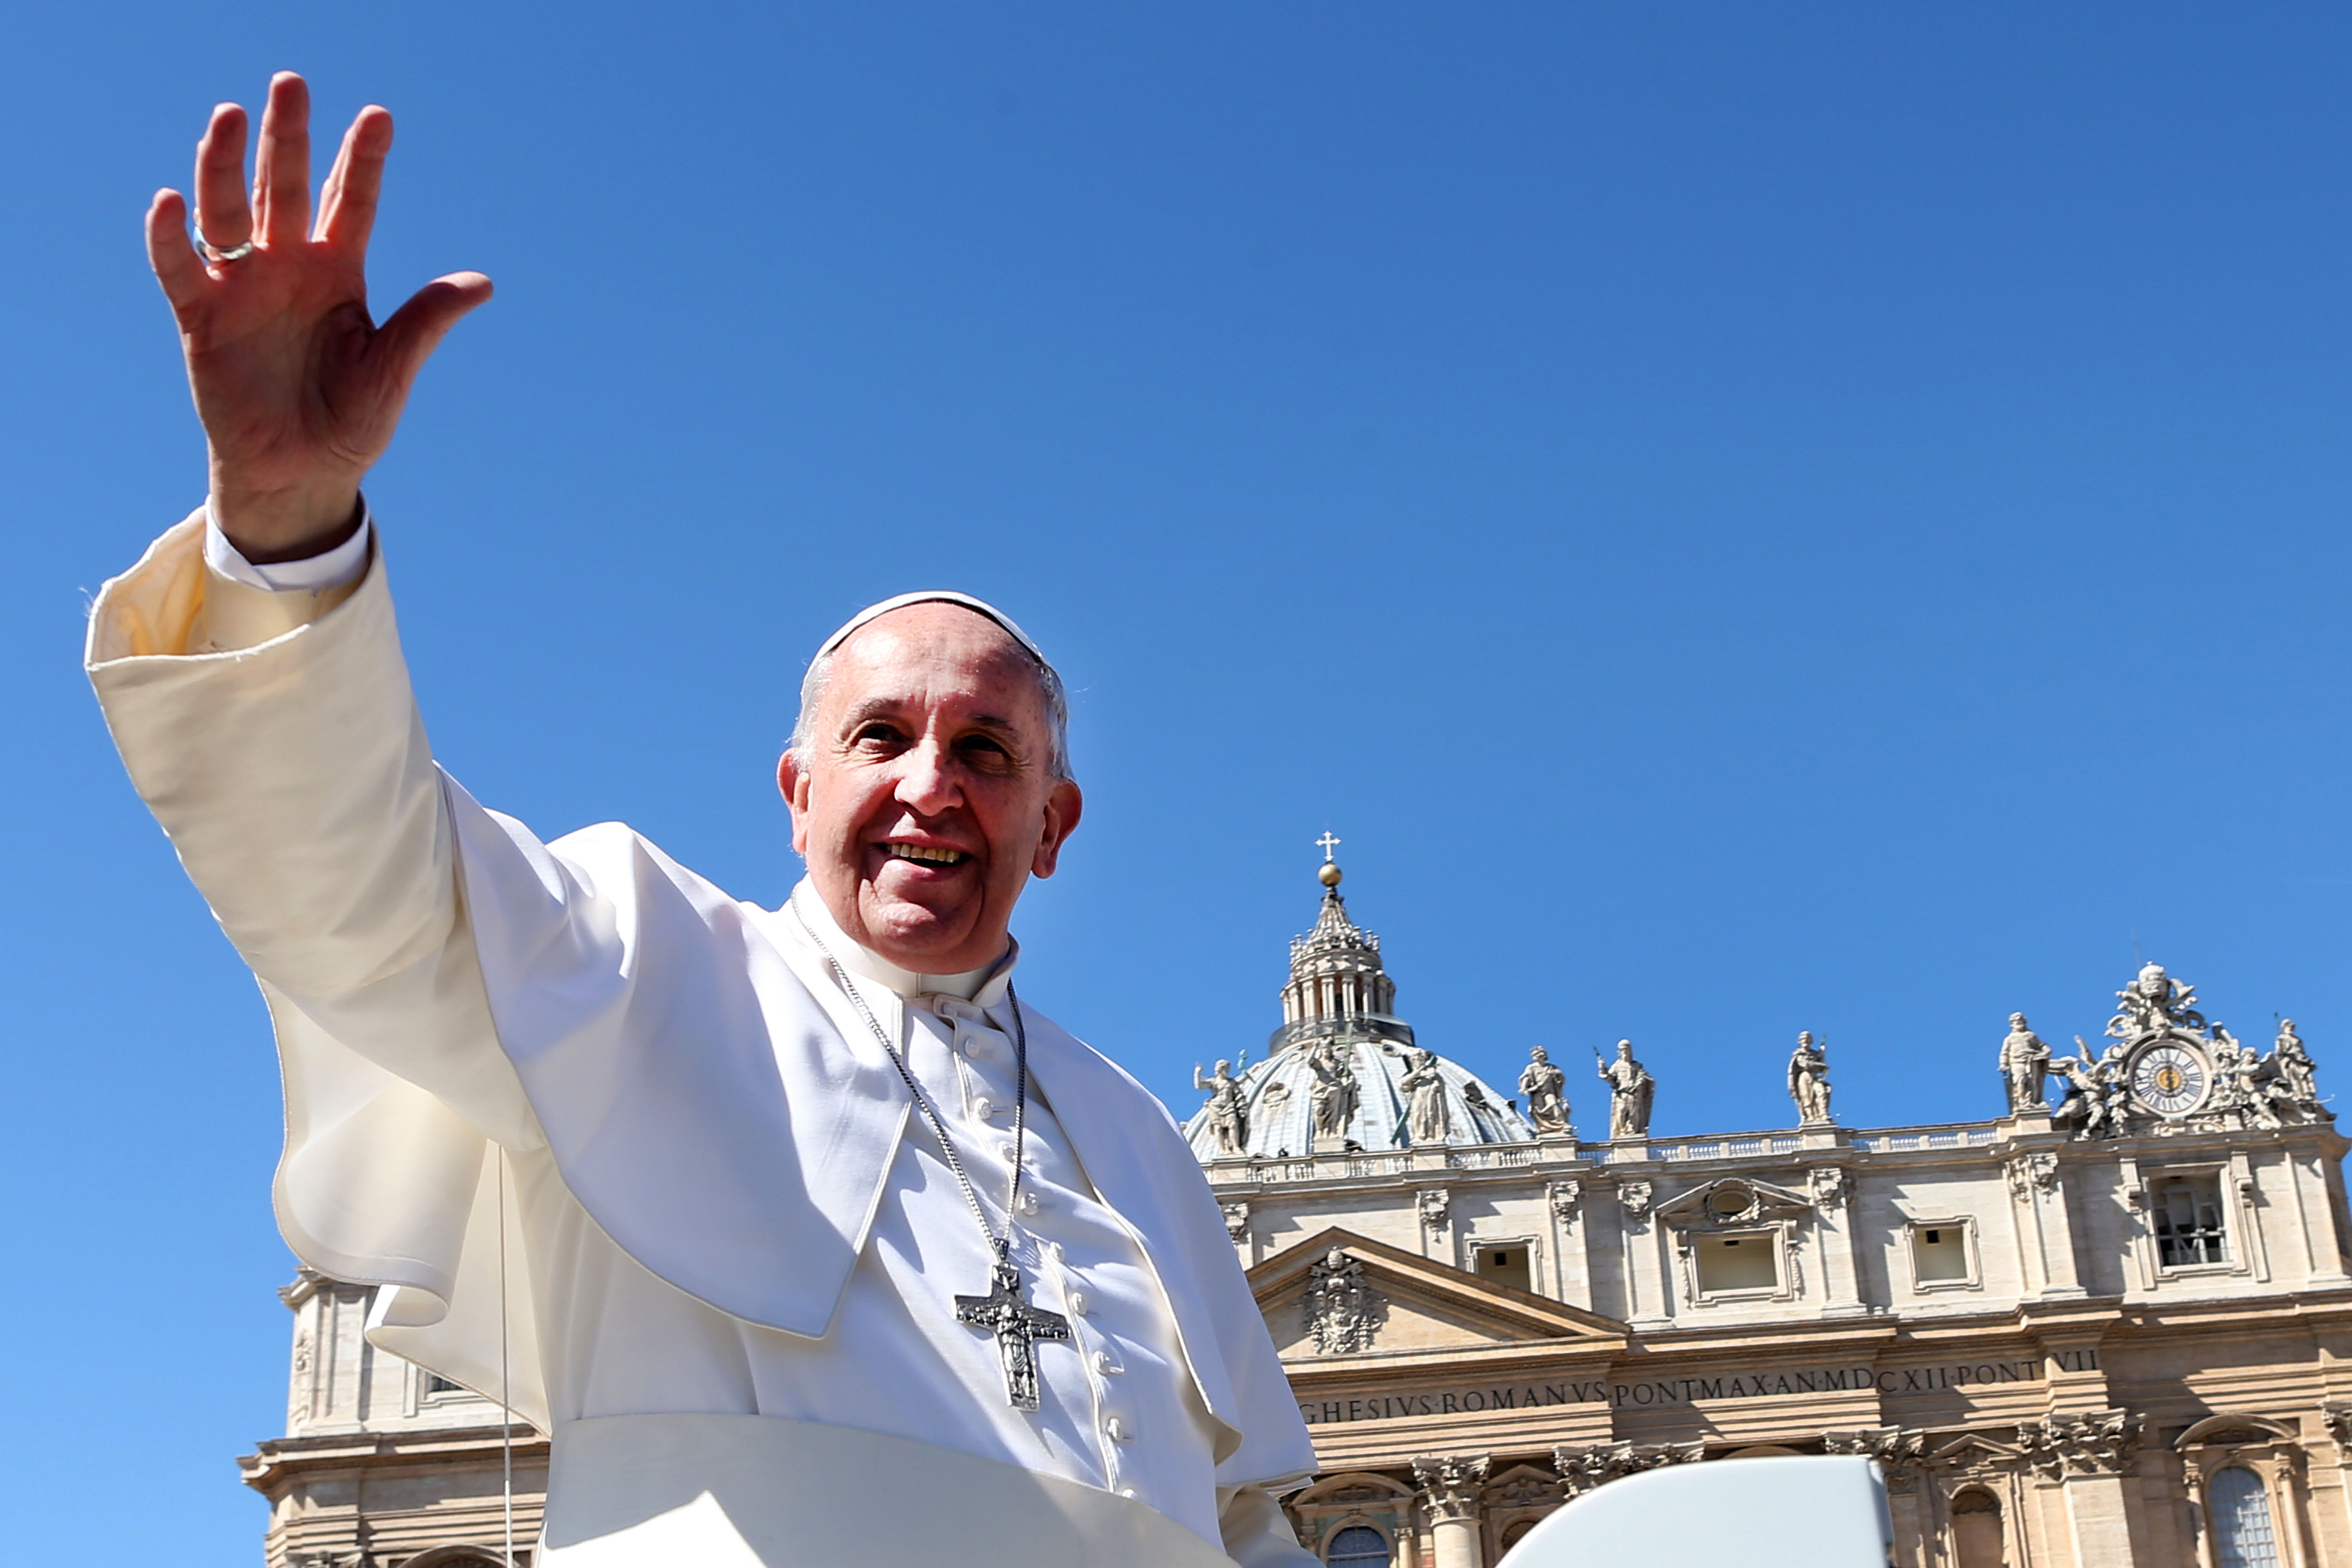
(731, 1247)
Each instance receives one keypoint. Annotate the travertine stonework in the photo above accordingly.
(2116, 1334)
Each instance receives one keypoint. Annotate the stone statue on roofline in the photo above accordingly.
(1333, 1098)
(2024, 1066)
(1546, 1088)
(1808, 1081)
(1427, 1115)
(1228, 1117)
(1631, 1091)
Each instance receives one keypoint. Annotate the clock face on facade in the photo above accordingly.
(2169, 1080)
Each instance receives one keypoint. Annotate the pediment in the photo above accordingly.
(2234, 1431)
(1407, 1303)
(1733, 1201)
(1976, 1448)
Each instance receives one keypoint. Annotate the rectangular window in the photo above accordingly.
(1939, 1254)
(1749, 1262)
(2188, 1222)
(437, 1384)
(1506, 1266)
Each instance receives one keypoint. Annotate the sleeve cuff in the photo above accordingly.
(330, 569)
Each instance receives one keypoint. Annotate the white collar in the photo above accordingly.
(984, 986)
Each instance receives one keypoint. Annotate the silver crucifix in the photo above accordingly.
(1017, 1326)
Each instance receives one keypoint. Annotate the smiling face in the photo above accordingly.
(925, 799)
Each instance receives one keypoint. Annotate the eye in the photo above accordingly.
(877, 733)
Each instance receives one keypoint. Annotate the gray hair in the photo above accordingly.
(1049, 690)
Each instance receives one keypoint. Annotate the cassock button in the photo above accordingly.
(1081, 1303)
(1106, 1365)
(1005, 1151)
(1117, 1430)
(1029, 1204)
(980, 1047)
(1127, 1493)
(985, 1109)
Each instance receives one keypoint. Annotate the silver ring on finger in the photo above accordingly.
(220, 253)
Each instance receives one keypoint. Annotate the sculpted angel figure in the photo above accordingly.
(1545, 1085)
(1228, 1117)
(1809, 1080)
(2086, 1108)
(2024, 1065)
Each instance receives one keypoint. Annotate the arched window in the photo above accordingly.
(1357, 1546)
(2241, 1520)
(1976, 1530)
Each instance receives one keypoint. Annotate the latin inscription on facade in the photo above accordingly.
(1652, 1393)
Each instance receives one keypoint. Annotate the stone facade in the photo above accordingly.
(2113, 1332)
(383, 1465)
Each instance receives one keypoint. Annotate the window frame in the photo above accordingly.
(1481, 1246)
(1354, 1521)
(1776, 1234)
(1971, 1254)
(2153, 1184)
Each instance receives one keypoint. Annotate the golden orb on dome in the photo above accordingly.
(1328, 874)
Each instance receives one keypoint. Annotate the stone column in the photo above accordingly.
(1841, 1276)
(1644, 1271)
(2089, 1455)
(2043, 1222)
(1450, 1485)
(1561, 1197)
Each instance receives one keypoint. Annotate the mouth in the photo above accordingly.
(926, 854)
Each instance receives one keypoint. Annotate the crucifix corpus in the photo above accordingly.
(1018, 1327)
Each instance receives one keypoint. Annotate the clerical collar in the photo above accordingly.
(984, 985)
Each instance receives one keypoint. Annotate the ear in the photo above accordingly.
(1064, 805)
(792, 783)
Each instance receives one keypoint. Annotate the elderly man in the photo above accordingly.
(804, 1236)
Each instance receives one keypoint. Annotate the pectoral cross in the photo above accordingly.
(1017, 1326)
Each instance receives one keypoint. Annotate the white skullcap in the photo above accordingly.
(935, 596)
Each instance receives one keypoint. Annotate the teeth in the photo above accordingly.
(926, 854)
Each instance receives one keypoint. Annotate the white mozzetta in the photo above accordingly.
(716, 1201)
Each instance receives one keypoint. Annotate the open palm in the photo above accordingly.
(299, 391)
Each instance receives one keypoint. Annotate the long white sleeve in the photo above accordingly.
(274, 735)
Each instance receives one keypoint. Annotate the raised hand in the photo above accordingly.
(298, 390)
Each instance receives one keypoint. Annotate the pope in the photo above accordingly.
(804, 1236)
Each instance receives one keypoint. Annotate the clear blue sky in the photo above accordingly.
(1744, 518)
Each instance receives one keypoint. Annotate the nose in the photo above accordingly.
(927, 779)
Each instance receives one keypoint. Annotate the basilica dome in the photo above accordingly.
(1344, 1073)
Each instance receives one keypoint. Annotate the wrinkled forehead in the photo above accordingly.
(933, 597)
(929, 647)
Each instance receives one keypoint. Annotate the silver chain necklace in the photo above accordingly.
(1017, 1325)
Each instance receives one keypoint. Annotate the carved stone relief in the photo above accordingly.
(1564, 1196)
(1343, 1314)
(1450, 1485)
(2031, 1173)
(1583, 1467)
(1436, 1206)
(2096, 1444)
